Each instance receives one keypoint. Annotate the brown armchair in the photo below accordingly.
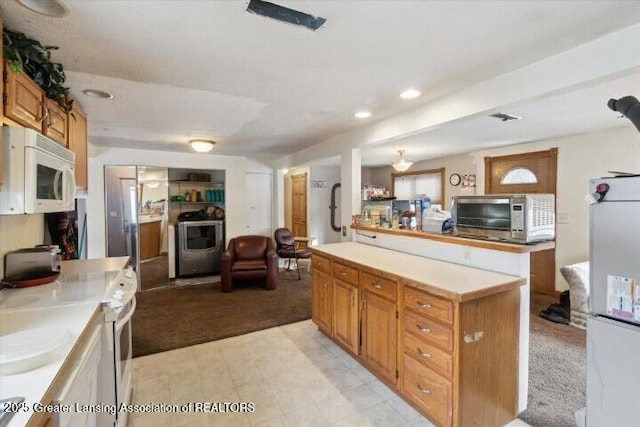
(249, 258)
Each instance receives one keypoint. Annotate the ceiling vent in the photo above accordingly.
(284, 14)
(505, 117)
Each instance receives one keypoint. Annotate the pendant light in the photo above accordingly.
(402, 163)
(202, 145)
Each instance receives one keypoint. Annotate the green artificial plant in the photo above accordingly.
(31, 57)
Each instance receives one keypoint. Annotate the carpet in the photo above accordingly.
(557, 370)
(180, 316)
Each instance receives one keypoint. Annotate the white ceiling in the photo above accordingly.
(263, 89)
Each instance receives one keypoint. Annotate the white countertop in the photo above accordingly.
(143, 219)
(68, 303)
(452, 280)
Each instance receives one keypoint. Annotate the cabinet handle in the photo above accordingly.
(424, 390)
(343, 273)
(424, 305)
(375, 285)
(45, 112)
(425, 330)
(424, 354)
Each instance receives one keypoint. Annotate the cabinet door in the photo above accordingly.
(322, 303)
(345, 315)
(77, 133)
(23, 100)
(54, 125)
(379, 341)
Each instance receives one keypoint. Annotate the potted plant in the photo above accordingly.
(31, 57)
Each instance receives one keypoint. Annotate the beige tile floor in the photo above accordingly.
(293, 374)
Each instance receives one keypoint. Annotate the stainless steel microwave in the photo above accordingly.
(517, 218)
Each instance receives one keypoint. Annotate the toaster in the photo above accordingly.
(32, 260)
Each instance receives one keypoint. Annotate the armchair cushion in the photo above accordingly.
(249, 258)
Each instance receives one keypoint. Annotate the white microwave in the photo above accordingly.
(38, 175)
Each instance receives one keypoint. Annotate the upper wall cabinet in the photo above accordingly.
(77, 137)
(26, 104)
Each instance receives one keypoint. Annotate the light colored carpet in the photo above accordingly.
(557, 370)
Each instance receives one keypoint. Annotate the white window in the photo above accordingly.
(519, 175)
(428, 183)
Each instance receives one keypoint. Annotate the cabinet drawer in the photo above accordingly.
(378, 285)
(431, 392)
(429, 305)
(428, 330)
(321, 263)
(429, 355)
(345, 273)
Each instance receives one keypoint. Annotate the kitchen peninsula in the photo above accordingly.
(446, 336)
(69, 309)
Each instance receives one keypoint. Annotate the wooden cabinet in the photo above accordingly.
(454, 358)
(26, 103)
(77, 137)
(23, 99)
(149, 239)
(379, 347)
(346, 329)
(54, 125)
(322, 300)
(460, 358)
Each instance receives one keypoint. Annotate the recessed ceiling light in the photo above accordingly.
(97, 93)
(410, 94)
(362, 115)
(52, 8)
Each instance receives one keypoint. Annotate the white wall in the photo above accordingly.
(580, 158)
(235, 168)
(319, 212)
(19, 231)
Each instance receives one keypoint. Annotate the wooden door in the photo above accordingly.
(77, 134)
(379, 347)
(345, 321)
(299, 205)
(55, 124)
(322, 307)
(23, 100)
(538, 172)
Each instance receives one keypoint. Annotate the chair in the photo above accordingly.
(286, 247)
(249, 258)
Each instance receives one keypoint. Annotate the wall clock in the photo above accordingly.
(454, 179)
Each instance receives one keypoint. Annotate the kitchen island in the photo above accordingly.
(445, 337)
(508, 258)
(69, 306)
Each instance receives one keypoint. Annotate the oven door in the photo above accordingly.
(49, 183)
(123, 357)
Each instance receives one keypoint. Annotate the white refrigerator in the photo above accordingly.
(613, 334)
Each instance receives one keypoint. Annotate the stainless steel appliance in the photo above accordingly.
(199, 247)
(38, 175)
(32, 260)
(613, 334)
(518, 218)
(116, 361)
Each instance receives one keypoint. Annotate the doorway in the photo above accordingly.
(299, 206)
(534, 172)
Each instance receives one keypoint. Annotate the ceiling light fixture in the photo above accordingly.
(97, 93)
(402, 163)
(202, 145)
(362, 115)
(52, 8)
(410, 94)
